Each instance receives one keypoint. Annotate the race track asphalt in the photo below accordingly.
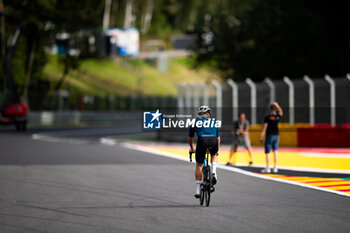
(69, 186)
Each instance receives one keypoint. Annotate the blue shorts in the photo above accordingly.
(271, 141)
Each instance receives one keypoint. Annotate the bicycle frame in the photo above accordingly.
(206, 167)
(206, 186)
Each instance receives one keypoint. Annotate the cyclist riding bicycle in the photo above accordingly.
(208, 137)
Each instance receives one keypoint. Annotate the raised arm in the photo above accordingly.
(279, 109)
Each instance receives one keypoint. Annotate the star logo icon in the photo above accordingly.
(152, 120)
(156, 115)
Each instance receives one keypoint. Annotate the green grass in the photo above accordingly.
(100, 77)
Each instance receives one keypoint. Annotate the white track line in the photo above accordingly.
(109, 142)
(46, 138)
(302, 169)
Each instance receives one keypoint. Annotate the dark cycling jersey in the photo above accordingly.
(207, 131)
(207, 138)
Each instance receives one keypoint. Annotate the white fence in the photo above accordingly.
(321, 100)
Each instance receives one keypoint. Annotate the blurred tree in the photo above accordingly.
(146, 17)
(69, 63)
(2, 42)
(251, 38)
(280, 37)
(44, 18)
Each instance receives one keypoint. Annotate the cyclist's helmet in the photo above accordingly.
(203, 110)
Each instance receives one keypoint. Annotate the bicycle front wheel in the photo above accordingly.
(207, 196)
(201, 198)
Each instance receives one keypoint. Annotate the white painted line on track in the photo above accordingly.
(233, 169)
(108, 141)
(302, 169)
(47, 138)
(282, 181)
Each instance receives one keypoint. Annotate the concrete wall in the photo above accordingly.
(76, 117)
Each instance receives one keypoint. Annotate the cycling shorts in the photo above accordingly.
(210, 142)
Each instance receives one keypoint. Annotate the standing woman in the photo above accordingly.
(272, 135)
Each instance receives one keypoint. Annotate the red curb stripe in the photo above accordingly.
(344, 190)
(335, 185)
(321, 181)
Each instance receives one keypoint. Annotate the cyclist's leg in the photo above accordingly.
(214, 157)
(198, 176)
(214, 162)
(198, 172)
(200, 154)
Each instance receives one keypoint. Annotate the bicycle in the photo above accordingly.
(206, 186)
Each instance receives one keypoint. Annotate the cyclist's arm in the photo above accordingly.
(191, 143)
(218, 136)
(191, 133)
